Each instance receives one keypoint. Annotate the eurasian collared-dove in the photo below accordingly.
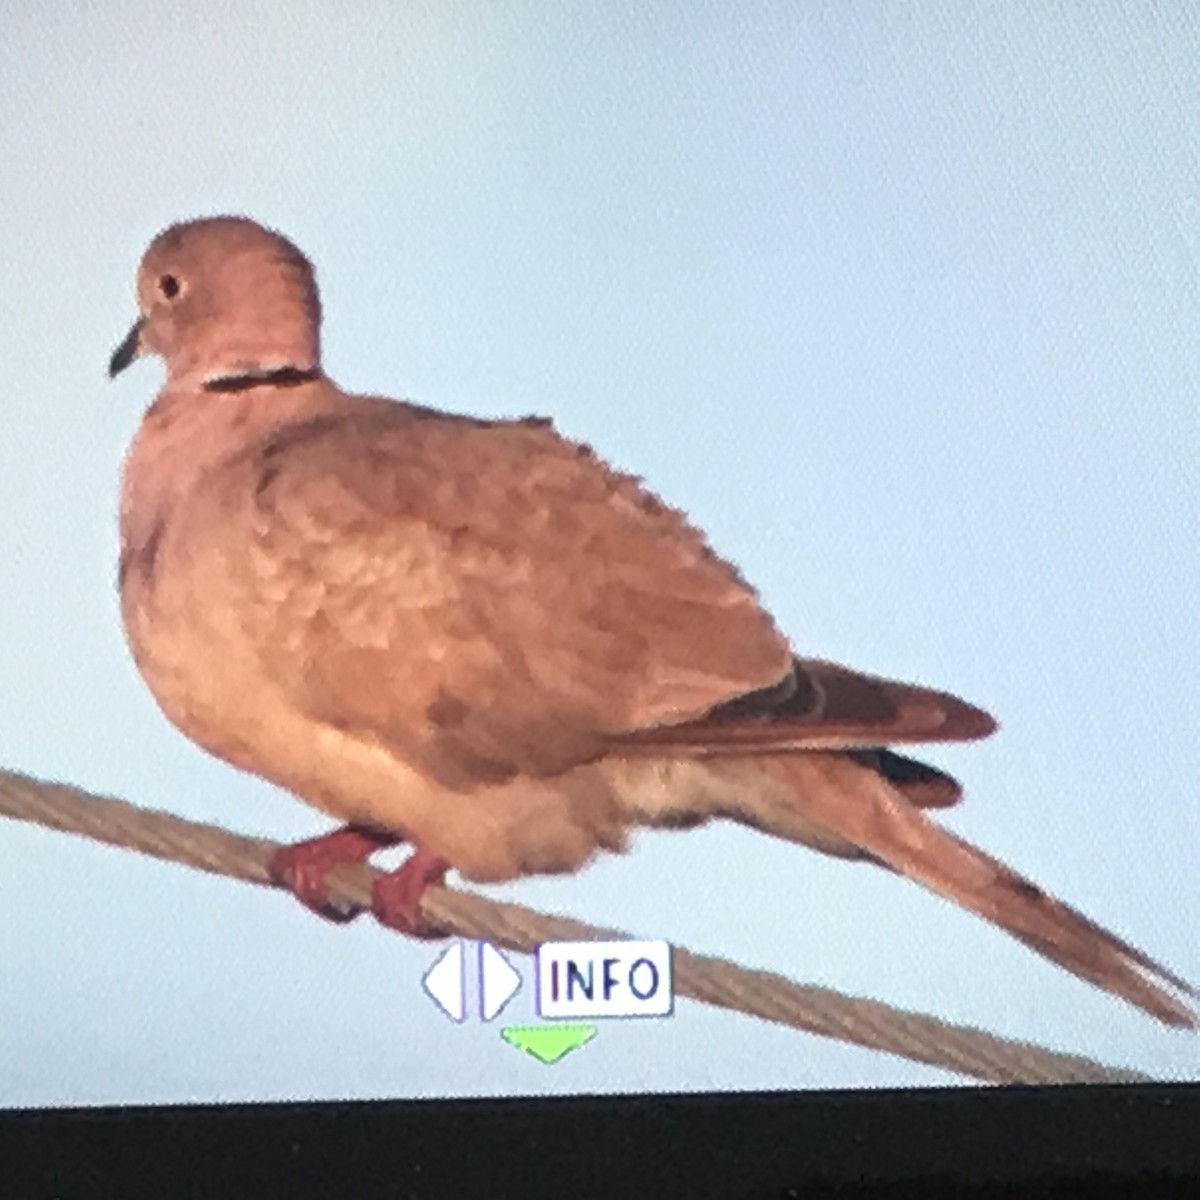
(477, 637)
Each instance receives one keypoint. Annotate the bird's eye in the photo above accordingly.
(169, 286)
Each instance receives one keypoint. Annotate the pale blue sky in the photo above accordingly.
(899, 302)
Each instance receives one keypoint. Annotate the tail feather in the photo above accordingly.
(854, 802)
(919, 783)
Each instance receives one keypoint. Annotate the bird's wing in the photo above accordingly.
(485, 599)
(488, 598)
(820, 706)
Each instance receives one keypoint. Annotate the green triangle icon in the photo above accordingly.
(548, 1043)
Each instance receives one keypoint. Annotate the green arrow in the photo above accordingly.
(548, 1043)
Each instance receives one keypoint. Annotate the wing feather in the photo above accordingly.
(826, 707)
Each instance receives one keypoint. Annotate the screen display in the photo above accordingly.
(898, 306)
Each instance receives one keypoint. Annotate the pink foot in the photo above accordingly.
(396, 897)
(303, 868)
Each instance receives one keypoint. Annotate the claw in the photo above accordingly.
(303, 868)
(396, 897)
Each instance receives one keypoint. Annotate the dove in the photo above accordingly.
(477, 638)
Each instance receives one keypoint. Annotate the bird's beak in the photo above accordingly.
(127, 351)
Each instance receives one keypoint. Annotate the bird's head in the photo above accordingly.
(221, 299)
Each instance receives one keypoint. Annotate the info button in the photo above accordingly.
(604, 979)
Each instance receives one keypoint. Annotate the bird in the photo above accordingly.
(477, 638)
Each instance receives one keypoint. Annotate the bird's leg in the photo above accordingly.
(396, 896)
(303, 868)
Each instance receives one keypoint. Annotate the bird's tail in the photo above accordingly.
(855, 801)
(868, 805)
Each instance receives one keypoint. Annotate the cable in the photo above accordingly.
(715, 981)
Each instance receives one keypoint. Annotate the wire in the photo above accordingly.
(877, 1026)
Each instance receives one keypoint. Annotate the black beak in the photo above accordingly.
(127, 351)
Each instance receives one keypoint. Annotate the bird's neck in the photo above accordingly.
(251, 336)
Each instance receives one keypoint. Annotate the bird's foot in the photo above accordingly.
(396, 897)
(303, 868)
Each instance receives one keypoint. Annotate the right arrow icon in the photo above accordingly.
(499, 981)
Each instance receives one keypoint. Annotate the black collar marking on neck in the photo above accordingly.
(279, 377)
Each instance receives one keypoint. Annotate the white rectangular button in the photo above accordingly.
(604, 979)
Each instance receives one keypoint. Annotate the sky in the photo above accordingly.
(898, 302)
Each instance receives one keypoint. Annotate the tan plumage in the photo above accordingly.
(478, 637)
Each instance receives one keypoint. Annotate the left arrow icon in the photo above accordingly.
(444, 983)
